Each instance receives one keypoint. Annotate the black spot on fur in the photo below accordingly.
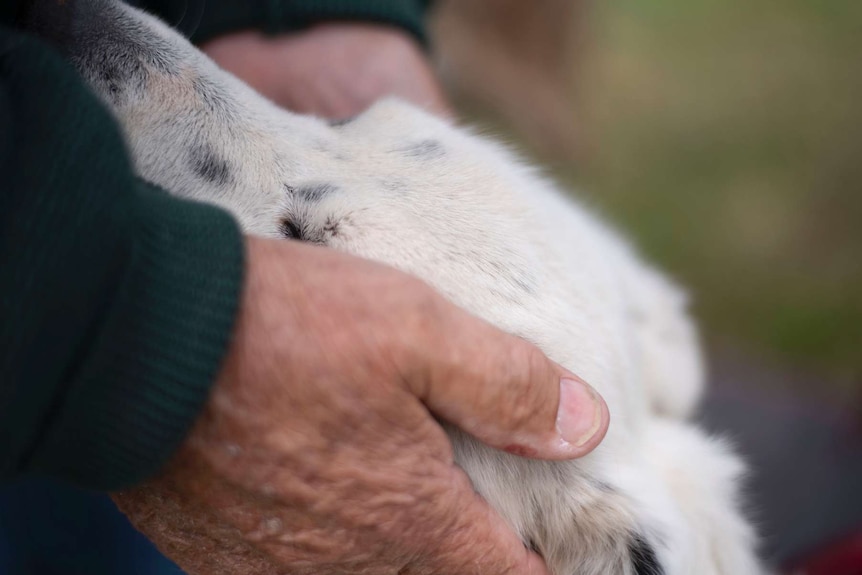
(294, 230)
(331, 227)
(425, 149)
(644, 559)
(209, 166)
(291, 230)
(315, 192)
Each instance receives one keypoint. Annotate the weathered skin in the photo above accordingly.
(317, 453)
(348, 474)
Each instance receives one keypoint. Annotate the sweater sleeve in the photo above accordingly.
(116, 300)
(202, 21)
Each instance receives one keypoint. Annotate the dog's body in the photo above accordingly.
(402, 187)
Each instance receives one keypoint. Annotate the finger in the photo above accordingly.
(507, 393)
(475, 540)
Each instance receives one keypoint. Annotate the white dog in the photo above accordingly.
(461, 212)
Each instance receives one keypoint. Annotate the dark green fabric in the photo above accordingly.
(202, 20)
(116, 300)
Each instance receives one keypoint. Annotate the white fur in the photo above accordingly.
(467, 216)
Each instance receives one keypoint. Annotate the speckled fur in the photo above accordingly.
(465, 214)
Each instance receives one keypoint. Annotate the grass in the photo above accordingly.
(727, 137)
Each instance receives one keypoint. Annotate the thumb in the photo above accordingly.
(507, 393)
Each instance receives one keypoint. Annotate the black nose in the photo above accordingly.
(291, 229)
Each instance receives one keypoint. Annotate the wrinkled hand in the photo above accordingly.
(318, 452)
(333, 70)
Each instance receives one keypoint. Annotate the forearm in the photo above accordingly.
(116, 301)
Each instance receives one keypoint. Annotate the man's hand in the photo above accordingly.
(333, 70)
(319, 452)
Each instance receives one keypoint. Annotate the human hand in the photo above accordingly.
(318, 452)
(333, 70)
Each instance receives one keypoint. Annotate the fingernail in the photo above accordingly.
(579, 416)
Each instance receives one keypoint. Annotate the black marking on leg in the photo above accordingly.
(208, 165)
(314, 193)
(643, 556)
(331, 227)
(291, 230)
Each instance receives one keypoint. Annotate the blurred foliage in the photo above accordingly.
(726, 137)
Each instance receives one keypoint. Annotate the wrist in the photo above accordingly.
(334, 70)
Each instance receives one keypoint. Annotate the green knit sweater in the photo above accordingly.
(116, 300)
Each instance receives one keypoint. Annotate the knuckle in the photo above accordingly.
(420, 329)
(526, 385)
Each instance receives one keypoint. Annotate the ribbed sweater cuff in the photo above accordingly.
(274, 16)
(138, 392)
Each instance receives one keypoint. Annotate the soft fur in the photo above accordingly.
(463, 213)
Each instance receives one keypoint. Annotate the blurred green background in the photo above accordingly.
(723, 136)
(726, 137)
